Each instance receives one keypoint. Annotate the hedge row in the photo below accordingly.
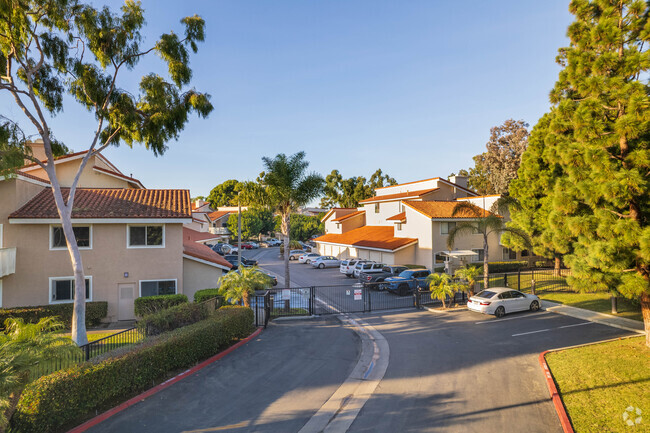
(65, 398)
(173, 318)
(205, 294)
(150, 304)
(95, 312)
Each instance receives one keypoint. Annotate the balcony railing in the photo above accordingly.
(219, 230)
(7, 261)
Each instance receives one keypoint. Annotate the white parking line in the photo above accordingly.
(509, 318)
(577, 324)
(531, 332)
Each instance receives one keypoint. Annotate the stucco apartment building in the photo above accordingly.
(132, 240)
(409, 224)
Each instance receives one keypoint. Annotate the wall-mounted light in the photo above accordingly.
(126, 275)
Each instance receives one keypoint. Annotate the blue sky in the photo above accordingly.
(411, 87)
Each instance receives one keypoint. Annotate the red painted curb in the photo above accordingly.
(557, 401)
(117, 409)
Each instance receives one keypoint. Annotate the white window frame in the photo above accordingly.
(128, 236)
(435, 261)
(476, 259)
(377, 208)
(51, 238)
(52, 279)
(175, 280)
(398, 227)
(446, 222)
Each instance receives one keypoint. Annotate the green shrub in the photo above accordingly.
(95, 312)
(173, 318)
(67, 397)
(150, 304)
(205, 294)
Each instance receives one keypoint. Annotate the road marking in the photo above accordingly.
(225, 427)
(531, 332)
(577, 324)
(509, 318)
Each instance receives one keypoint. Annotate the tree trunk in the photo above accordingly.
(246, 298)
(645, 311)
(556, 267)
(285, 231)
(485, 263)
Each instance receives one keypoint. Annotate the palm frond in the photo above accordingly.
(462, 228)
(465, 208)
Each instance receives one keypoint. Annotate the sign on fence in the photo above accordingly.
(286, 294)
(358, 294)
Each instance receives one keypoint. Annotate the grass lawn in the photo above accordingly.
(598, 382)
(595, 302)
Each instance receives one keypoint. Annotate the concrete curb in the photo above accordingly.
(156, 389)
(594, 316)
(557, 401)
(441, 311)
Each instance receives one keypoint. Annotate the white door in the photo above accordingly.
(125, 302)
(520, 300)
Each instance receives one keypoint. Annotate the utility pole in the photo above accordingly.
(239, 230)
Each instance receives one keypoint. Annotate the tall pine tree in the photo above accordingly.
(599, 139)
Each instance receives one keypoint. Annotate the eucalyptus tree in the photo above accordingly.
(53, 51)
(289, 186)
(485, 223)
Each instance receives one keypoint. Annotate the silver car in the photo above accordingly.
(295, 254)
(364, 264)
(326, 262)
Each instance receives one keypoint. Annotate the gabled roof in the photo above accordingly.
(111, 203)
(441, 209)
(334, 209)
(201, 251)
(399, 217)
(379, 237)
(132, 180)
(57, 159)
(192, 235)
(426, 180)
(213, 216)
(399, 196)
(350, 215)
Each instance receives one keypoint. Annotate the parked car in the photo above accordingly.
(369, 268)
(223, 249)
(501, 301)
(326, 262)
(347, 266)
(234, 259)
(358, 266)
(254, 245)
(246, 246)
(264, 244)
(295, 254)
(378, 277)
(308, 258)
(407, 282)
(273, 242)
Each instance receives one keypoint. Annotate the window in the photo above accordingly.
(145, 236)
(62, 289)
(481, 255)
(524, 253)
(440, 258)
(505, 295)
(81, 233)
(446, 227)
(155, 288)
(516, 295)
(509, 254)
(338, 225)
(399, 227)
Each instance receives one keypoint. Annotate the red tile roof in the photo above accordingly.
(112, 203)
(381, 237)
(213, 216)
(350, 215)
(399, 217)
(120, 175)
(31, 176)
(203, 252)
(442, 209)
(398, 196)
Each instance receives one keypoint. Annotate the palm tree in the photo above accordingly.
(485, 223)
(470, 274)
(239, 285)
(24, 346)
(441, 287)
(289, 186)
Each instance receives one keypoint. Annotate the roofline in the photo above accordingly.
(350, 215)
(455, 185)
(205, 262)
(57, 160)
(129, 220)
(479, 196)
(119, 176)
(445, 218)
(377, 198)
(406, 183)
(27, 178)
(369, 248)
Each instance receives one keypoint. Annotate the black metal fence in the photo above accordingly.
(529, 280)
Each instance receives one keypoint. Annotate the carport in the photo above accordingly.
(456, 259)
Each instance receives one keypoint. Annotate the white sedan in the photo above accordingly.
(308, 258)
(502, 300)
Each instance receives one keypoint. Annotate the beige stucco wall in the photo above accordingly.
(66, 171)
(106, 262)
(199, 276)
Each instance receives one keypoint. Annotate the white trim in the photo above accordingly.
(51, 279)
(128, 236)
(107, 162)
(205, 262)
(26, 179)
(143, 221)
(369, 248)
(90, 226)
(56, 161)
(175, 280)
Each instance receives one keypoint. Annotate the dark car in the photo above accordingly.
(408, 281)
(234, 260)
(378, 277)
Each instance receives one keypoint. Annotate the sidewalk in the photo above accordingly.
(593, 316)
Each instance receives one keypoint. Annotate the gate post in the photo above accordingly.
(417, 294)
(87, 351)
(312, 294)
(532, 286)
(519, 279)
